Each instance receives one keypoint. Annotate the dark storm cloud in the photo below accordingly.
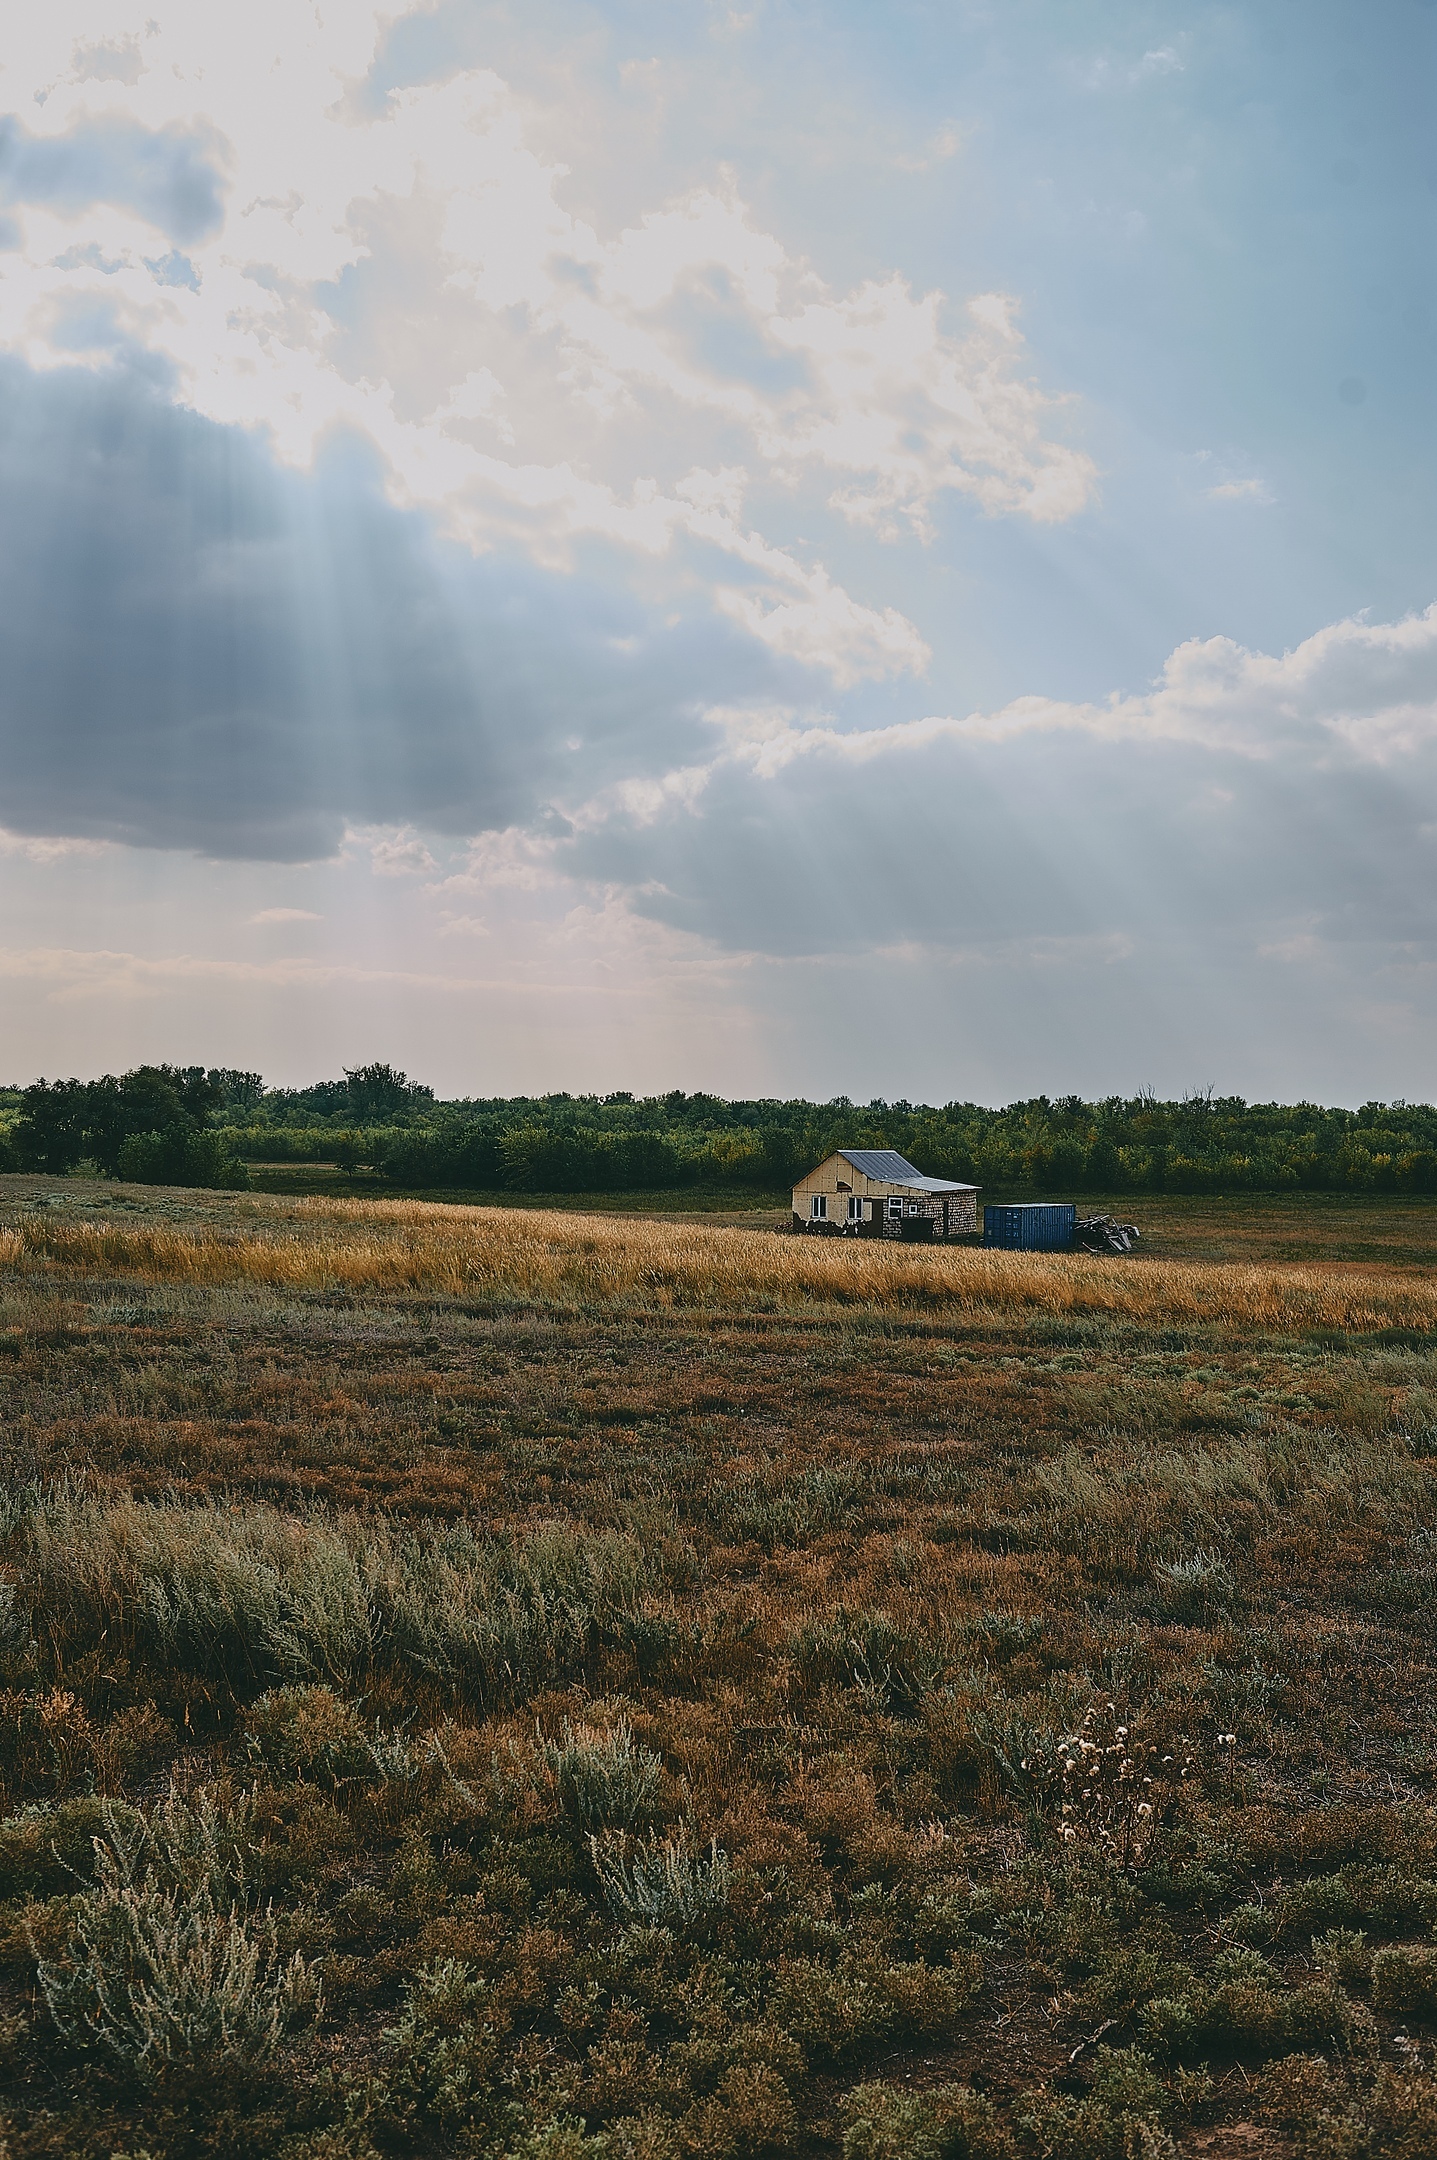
(171, 176)
(199, 649)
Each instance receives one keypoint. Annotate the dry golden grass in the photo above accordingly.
(572, 1261)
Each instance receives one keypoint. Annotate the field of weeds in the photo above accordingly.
(496, 1683)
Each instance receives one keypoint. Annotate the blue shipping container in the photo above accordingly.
(1031, 1226)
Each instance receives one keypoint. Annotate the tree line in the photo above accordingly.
(193, 1125)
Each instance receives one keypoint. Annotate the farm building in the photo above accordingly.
(873, 1192)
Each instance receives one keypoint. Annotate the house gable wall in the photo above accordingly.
(951, 1214)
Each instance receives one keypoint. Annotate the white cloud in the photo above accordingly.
(400, 854)
(1269, 788)
(827, 628)
(913, 412)
(46, 848)
(1108, 73)
(1354, 690)
(69, 972)
(1240, 491)
(937, 151)
(548, 381)
(286, 914)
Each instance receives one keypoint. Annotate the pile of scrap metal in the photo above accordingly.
(1099, 1233)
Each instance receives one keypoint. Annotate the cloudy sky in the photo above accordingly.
(789, 546)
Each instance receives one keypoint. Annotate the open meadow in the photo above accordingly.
(1334, 1227)
(522, 1682)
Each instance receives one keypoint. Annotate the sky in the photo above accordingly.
(775, 548)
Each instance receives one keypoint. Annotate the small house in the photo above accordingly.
(874, 1192)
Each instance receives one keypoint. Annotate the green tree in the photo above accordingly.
(51, 1130)
(377, 1091)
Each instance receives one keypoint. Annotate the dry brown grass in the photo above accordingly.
(569, 1260)
(841, 1538)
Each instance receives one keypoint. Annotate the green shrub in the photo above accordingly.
(1298, 2090)
(838, 2010)
(1125, 2115)
(947, 2122)
(891, 1665)
(46, 1849)
(165, 1969)
(1346, 1954)
(307, 1732)
(177, 1157)
(436, 2063)
(563, 2138)
(603, 1780)
(541, 1158)
(1405, 1978)
(659, 1880)
(751, 2112)
(1244, 2010)
(458, 1154)
(1391, 1897)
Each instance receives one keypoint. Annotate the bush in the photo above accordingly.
(838, 2010)
(948, 2122)
(1346, 1954)
(307, 1732)
(562, 2138)
(1125, 2116)
(1391, 1897)
(891, 1665)
(1405, 1978)
(459, 1155)
(165, 1969)
(177, 1157)
(436, 2062)
(602, 1780)
(1244, 2011)
(660, 1881)
(539, 1158)
(46, 1850)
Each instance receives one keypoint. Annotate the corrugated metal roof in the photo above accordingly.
(885, 1163)
(888, 1167)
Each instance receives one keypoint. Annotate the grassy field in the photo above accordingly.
(1350, 1227)
(560, 1685)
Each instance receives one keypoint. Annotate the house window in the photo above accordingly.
(855, 1208)
(895, 1209)
(818, 1207)
(914, 1207)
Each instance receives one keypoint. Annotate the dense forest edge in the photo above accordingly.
(199, 1126)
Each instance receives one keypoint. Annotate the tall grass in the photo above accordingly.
(239, 1598)
(1137, 1500)
(566, 1260)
